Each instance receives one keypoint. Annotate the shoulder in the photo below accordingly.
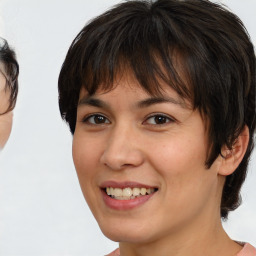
(248, 250)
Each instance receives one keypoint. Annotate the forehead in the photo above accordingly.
(127, 88)
(153, 74)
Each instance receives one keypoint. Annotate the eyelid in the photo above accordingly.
(171, 119)
(87, 117)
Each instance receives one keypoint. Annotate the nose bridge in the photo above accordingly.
(122, 148)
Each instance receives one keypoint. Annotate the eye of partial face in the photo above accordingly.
(96, 119)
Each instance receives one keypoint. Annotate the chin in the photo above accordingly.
(126, 232)
(123, 236)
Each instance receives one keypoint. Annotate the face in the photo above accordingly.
(5, 119)
(140, 161)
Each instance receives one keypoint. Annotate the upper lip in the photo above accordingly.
(124, 184)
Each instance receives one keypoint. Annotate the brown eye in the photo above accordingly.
(158, 120)
(96, 119)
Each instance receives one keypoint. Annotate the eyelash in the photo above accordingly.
(165, 118)
(87, 118)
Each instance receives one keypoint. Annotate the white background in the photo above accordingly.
(42, 210)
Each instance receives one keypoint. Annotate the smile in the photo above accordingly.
(128, 193)
(123, 196)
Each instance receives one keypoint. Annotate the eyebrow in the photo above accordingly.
(93, 102)
(141, 104)
(156, 100)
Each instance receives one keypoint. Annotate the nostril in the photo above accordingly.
(124, 158)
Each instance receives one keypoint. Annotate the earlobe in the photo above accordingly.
(231, 158)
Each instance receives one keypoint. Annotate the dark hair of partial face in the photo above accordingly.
(10, 72)
(147, 38)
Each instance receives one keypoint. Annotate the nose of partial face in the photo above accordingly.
(122, 150)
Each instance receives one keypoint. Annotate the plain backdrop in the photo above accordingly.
(42, 210)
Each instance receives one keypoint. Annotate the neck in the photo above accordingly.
(197, 239)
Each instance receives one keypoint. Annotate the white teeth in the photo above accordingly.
(128, 193)
(136, 191)
(122, 198)
(143, 191)
(118, 192)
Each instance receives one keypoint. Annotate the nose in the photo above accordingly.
(122, 150)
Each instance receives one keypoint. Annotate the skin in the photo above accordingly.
(128, 145)
(5, 119)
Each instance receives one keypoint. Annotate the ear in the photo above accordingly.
(231, 158)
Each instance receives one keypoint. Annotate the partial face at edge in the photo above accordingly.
(5, 119)
(126, 140)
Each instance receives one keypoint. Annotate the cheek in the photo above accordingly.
(181, 171)
(85, 155)
(181, 165)
(179, 156)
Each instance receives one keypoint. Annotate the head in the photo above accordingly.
(9, 71)
(197, 49)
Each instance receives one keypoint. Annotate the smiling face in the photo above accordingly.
(140, 161)
(5, 119)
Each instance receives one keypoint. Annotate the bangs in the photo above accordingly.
(135, 46)
(151, 71)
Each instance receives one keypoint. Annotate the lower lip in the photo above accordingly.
(125, 204)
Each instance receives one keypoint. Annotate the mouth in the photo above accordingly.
(128, 193)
